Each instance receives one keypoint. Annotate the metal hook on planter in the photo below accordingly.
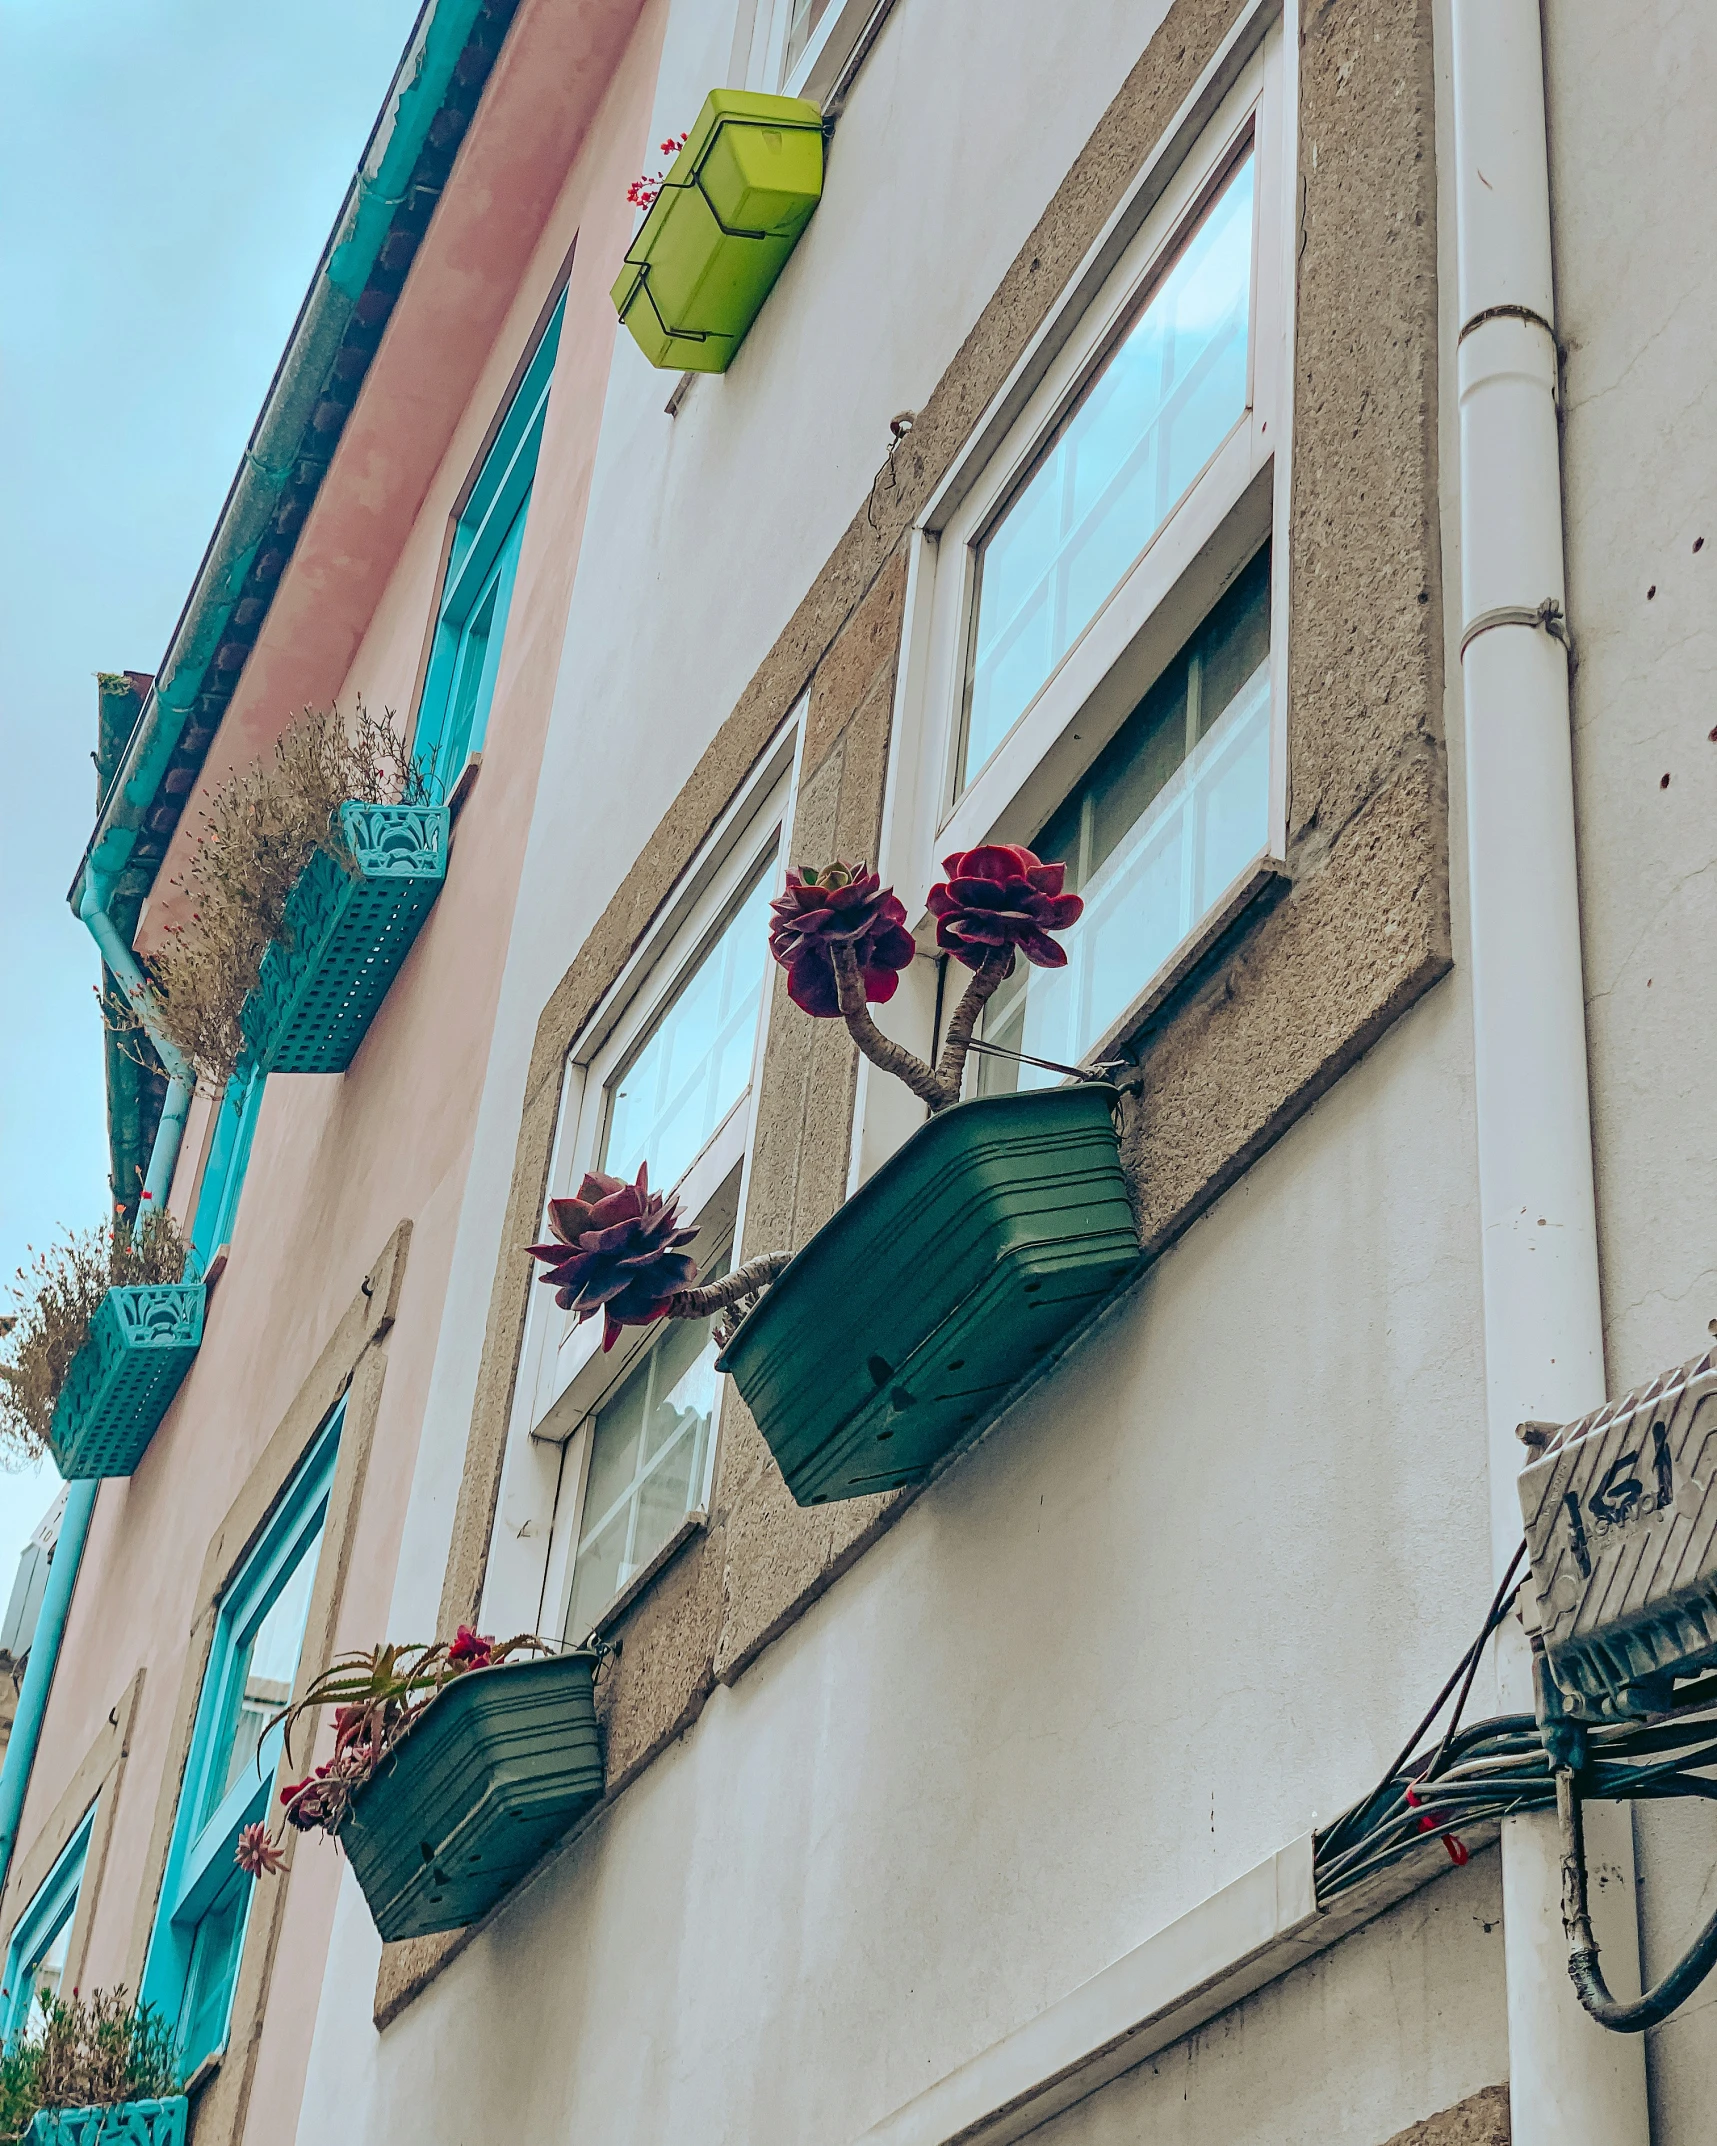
(899, 425)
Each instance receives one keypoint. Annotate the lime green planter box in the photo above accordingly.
(125, 2123)
(718, 234)
(966, 1262)
(348, 927)
(134, 1359)
(499, 1766)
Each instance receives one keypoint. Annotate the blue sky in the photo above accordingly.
(169, 170)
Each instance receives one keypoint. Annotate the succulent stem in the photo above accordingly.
(982, 988)
(744, 1281)
(879, 1049)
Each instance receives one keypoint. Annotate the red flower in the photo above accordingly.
(617, 1251)
(470, 1650)
(841, 905)
(1001, 895)
(256, 1854)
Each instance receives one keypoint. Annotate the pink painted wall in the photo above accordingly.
(340, 1160)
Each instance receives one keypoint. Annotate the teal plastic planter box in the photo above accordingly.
(134, 1358)
(126, 2123)
(730, 211)
(347, 929)
(967, 1260)
(499, 1766)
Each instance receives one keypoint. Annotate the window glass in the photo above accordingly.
(260, 1679)
(235, 1748)
(478, 588)
(1170, 814)
(801, 28)
(696, 1063)
(1170, 393)
(42, 1937)
(649, 1462)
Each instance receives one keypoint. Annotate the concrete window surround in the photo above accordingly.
(1296, 990)
(353, 1362)
(565, 1373)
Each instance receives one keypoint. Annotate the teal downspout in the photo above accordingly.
(80, 1497)
(181, 1079)
(44, 1659)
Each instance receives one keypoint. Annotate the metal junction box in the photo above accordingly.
(1621, 1527)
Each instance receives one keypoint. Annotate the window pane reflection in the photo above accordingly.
(1172, 812)
(697, 1062)
(262, 1674)
(649, 1458)
(1167, 398)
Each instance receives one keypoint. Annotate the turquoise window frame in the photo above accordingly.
(229, 1159)
(205, 1898)
(53, 1906)
(477, 588)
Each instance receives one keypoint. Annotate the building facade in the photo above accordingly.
(1258, 454)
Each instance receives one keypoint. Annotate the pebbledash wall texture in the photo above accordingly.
(1307, 978)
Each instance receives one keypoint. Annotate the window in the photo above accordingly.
(235, 1748)
(1098, 672)
(228, 1160)
(41, 1939)
(805, 44)
(1173, 810)
(1142, 431)
(478, 586)
(612, 1451)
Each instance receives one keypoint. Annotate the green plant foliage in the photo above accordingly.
(92, 2052)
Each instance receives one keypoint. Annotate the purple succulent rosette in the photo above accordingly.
(616, 1249)
(1001, 895)
(839, 905)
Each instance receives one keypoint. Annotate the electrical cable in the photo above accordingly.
(1589, 1986)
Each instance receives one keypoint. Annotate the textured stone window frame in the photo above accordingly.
(96, 1781)
(352, 1364)
(1301, 986)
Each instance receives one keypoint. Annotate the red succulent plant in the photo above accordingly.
(840, 905)
(1002, 895)
(470, 1650)
(617, 1250)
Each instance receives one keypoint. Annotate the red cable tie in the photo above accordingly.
(1458, 1850)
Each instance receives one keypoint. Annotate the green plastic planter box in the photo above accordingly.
(964, 1263)
(718, 234)
(500, 1765)
(125, 2123)
(134, 1358)
(347, 929)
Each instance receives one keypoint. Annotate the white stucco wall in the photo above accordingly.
(1633, 120)
(1184, 1601)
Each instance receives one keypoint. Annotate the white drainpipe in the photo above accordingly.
(1571, 2083)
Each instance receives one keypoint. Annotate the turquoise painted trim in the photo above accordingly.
(420, 88)
(205, 1898)
(121, 2123)
(51, 1908)
(229, 1159)
(477, 590)
(44, 1659)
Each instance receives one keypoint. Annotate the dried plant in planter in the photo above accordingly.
(841, 936)
(259, 832)
(377, 1696)
(58, 1295)
(90, 2052)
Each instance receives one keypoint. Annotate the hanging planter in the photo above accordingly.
(720, 228)
(455, 1765)
(125, 2123)
(349, 924)
(969, 1258)
(140, 1344)
(489, 1778)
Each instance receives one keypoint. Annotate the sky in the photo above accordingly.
(169, 171)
